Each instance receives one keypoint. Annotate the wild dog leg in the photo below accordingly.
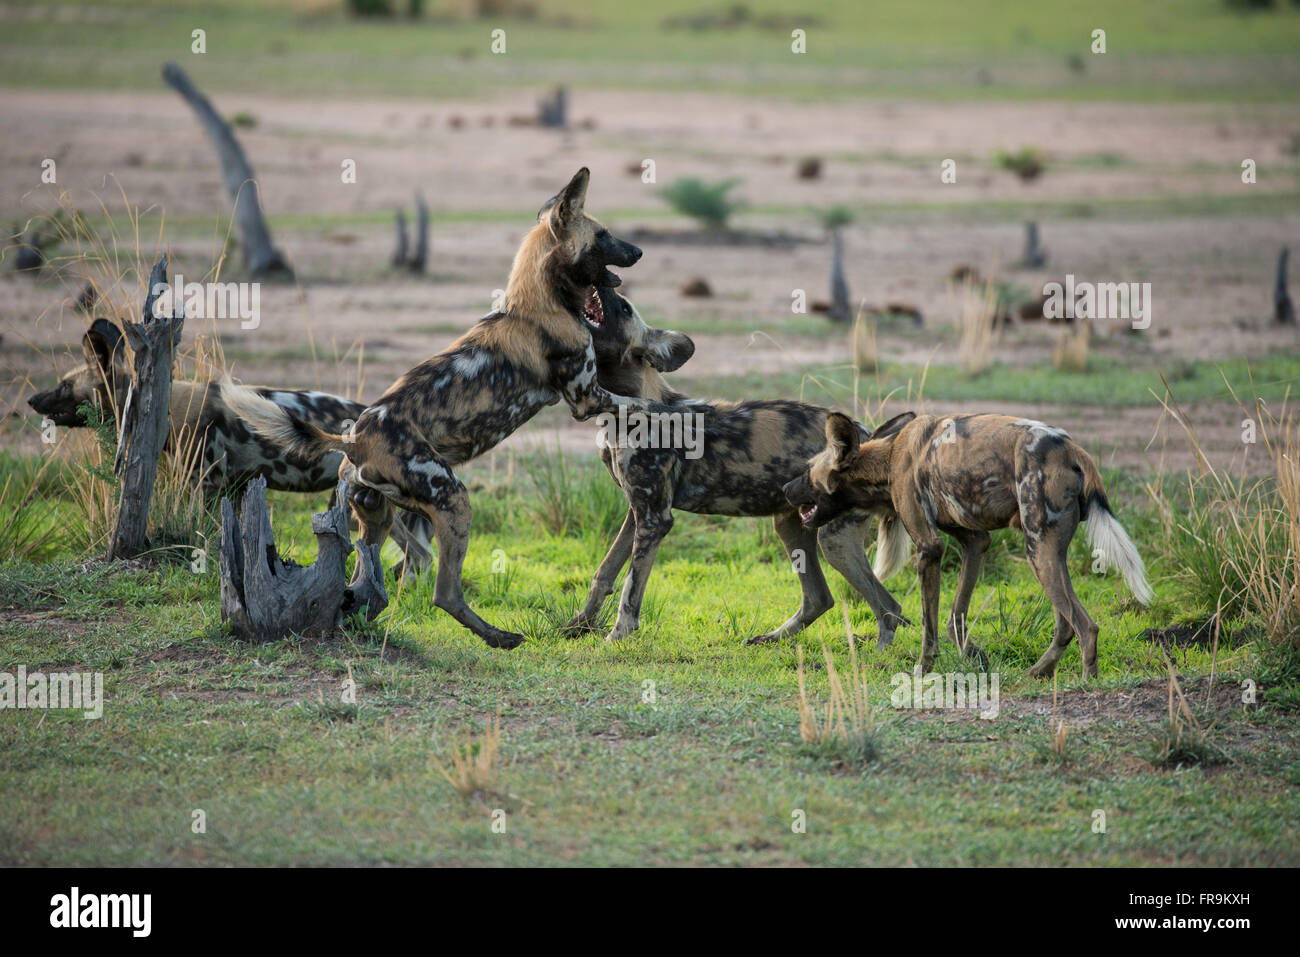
(801, 548)
(651, 527)
(603, 583)
(434, 490)
(373, 511)
(842, 540)
(651, 497)
(1071, 617)
(973, 546)
(929, 549)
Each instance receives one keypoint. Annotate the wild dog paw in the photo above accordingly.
(619, 632)
(502, 639)
(762, 639)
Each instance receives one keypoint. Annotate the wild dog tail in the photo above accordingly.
(893, 547)
(275, 424)
(1106, 536)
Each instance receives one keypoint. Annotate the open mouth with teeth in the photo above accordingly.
(807, 513)
(592, 310)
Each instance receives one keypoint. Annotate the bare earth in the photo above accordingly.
(1211, 275)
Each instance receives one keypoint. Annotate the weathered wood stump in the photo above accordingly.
(260, 254)
(841, 310)
(145, 419)
(266, 598)
(1034, 257)
(1283, 308)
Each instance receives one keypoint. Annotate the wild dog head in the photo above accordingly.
(848, 474)
(566, 257)
(102, 381)
(630, 354)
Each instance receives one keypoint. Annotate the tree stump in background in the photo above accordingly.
(146, 418)
(266, 598)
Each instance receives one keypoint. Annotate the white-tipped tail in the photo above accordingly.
(893, 548)
(1107, 537)
(263, 416)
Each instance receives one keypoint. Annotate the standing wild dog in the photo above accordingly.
(227, 454)
(746, 453)
(967, 475)
(466, 399)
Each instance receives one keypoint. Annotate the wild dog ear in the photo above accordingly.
(567, 205)
(842, 437)
(99, 343)
(668, 351)
(893, 426)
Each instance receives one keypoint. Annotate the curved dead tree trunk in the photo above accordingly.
(260, 255)
(145, 418)
(266, 598)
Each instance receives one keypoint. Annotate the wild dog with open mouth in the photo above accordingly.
(748, 451)
(967, 475)
(227, 452)
(463, 401)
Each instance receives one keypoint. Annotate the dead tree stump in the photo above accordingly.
(145, 419)
(1283, 308)
(553, 111)
(421, 255)
(266, 598)
(260, 255)
(1035, 257)
(841, 310)
(399, 254)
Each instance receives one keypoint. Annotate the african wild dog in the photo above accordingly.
(748, 453)
(967, 475)
(466, 399)
(228, 454)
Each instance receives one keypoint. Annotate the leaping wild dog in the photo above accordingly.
(467, 398)
(747, 452)
(226, 453)
(967, 475)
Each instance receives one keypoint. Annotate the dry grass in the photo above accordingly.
(844, 726)
(976, 311)
(866, 354)
(1181, 740)
(1235, 543)
(1071, 351)
(473, 764)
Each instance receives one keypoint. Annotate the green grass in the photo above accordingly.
(1166, 50)
(1109, 382)
(591, 772)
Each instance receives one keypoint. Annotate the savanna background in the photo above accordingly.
(681, 745)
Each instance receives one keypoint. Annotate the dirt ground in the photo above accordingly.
(1211, 271)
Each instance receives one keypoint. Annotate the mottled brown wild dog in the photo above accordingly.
(222, 452)
(466, 399)
(741, 457)
(967, 475)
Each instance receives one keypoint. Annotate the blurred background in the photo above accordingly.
(740, 165)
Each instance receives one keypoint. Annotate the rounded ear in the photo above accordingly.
(841, 436)
(99, 343)
(668, 351)
(893, 426)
